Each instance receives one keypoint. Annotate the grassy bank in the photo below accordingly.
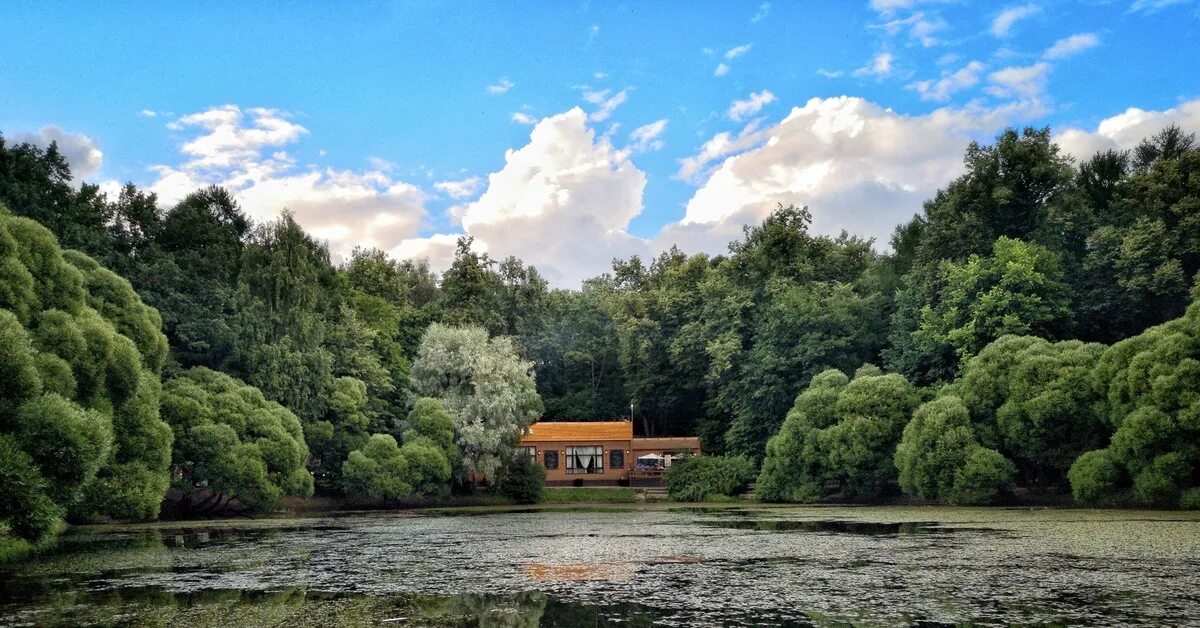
(568, 495)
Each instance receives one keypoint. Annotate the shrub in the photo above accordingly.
(522, 480)
(838, 430)
(1097, 478)
(233, 440)
(939, 458)
(698, 478)
(80, 358)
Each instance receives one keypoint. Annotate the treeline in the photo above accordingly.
(257, 321)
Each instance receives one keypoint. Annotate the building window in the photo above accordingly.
(585, 460)
(550, 457)
(528, 451)
(616, 459)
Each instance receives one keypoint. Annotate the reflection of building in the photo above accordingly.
(602, 453)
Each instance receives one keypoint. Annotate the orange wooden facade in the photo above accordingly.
(595, 453)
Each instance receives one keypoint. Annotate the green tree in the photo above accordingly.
(522, 480)
(1036, 402)
(232, 440)
(1153, 404)
(484, 385)
(378, 470)
(939, 457)
(80, 356)
(841, 432)
(1017, 290)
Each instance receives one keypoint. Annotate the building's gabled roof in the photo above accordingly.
(561, 431)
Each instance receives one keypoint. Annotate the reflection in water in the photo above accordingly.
(746, 566)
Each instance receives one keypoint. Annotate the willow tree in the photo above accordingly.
(839, 430)
(80, 357)
(233, 441)
(484, 385)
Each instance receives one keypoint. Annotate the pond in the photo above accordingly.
(671, 566)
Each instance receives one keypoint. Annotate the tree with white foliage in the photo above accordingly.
(484, 385)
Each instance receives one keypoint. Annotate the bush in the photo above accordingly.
(80, 360)
(1097, 478)
(522, 480)
(699, 478)
(939, 457)
(231, 439)
(838, 430)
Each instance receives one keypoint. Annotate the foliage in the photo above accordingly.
(230, 439)
(1037, 402)
(486, 388)
(522, 480)
(939, 457)
(839, 431)
(1153, 403)
(80, 356)
(429, 420)
(699, 478)
(377, 470)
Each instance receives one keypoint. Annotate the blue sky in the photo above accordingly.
(570, 133)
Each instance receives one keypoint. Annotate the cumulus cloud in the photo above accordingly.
(1126, 129)
(1072, 45)
(752, 104)
(80, 151)
(646, 138)
(721, 70)
(695, 167)
(1003, 22)
(858, 166)
(951, 82)
(879, 67)
(244, 151)
(562, 202)
(501, 86)
(460, 189)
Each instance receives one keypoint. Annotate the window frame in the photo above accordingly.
(616, 459)
(595, 453)
(546, 454)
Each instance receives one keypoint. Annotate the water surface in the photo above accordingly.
(786, 566)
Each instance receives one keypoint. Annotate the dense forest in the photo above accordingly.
(1031, 327)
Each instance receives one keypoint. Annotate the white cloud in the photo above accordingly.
(948, 58)
(606, 104)
(562, 203)
(857, 166)
(243, 150)
(80, 151)
(951, 82)
(738, 51)
(753, 103)
(1153, 6)
(1002, 24)
(1126, 129)
(646, 137)
(764, 10)
(1074, 44)
(521, 117)
(464, 188)
(721, 145)
(829, 73)
(721, 70)
(879, 67)
(148, 113)
(501, 86)
(1019, 81)
(919, 27)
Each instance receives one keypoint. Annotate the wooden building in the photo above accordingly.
(602, 453)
